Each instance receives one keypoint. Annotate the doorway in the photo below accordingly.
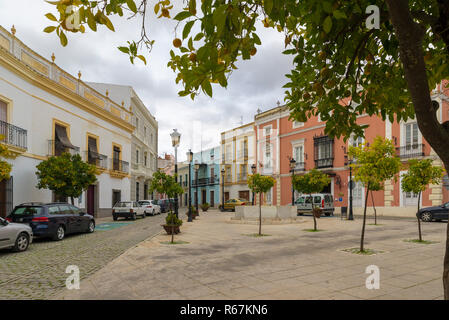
(226, 196)
(90, 200)
(212, 198)
(116, 196)
(203, 196)
(6, 197)
(244, 195)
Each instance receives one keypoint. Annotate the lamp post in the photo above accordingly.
(197, 167)
(189, 158)
(253, 170)
(175, 138)
(351, 186)
(292, 170)
(222, 188)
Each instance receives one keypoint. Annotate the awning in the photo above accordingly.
(62, 139)
(92, 149)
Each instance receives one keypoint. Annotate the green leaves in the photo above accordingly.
(420, 174)
(327, 24)
(187, 28)
(312, 182)
(182, 15)
(131, 5)
(260, 184)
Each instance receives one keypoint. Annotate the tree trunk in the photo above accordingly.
(313, 214)
(410, 35)
(374, 207)
(362, 238)
(260, 214)
(419, 220)
(172, 233)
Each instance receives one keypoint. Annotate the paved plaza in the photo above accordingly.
(39, 272)
(218, 259)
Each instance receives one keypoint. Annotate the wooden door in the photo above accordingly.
(90, 200)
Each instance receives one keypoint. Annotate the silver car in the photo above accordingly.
(16, 236)
(150, 207)
(321, 200)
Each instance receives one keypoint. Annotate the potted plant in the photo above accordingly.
(205, 207)
(172, 224)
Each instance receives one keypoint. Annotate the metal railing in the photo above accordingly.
(97, 159)
(324, 163)
(13, 135)
(300, 166)
(410, 151)
(205, 181)
(54, 149)
(119, 165)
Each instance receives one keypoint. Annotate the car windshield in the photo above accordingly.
(300, 200)
(154, 201)
(317, 199)
(124, 204)
(27, 211)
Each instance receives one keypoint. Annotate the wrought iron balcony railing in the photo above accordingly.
(300, 166)
(13, 135)
(97, 159)
(324, 163)
(410, 151)
(54, 149)
(205, 181)
(119, 165)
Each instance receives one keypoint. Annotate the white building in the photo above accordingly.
(144, 143)
(45, 111)
(238, 155)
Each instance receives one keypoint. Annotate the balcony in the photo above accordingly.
(324, 163)
(97, 159)
(227, 178)
(119, 169)
(205, 182)
(56, 149)
(300, 166)
(140, 170)
(410, 151)
(242, 154)
(14, 138)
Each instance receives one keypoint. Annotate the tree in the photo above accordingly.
(312, 182)
(166, 184)
(5, 167)
(382, 56)
(420, 174)
(374, 164)
(260, 184)
(66, 175)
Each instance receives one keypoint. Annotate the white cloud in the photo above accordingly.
(256, 84)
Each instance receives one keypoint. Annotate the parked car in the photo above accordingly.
(15, 236)
(438, 213)
(232, 203)
(52, 220)
(325, 201)
(164, 204)
(127, 209)
(150, 207)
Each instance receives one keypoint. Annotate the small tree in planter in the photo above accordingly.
(5, 167)
(166, 184)
(205, 206)
(260, 184)
(66, 175)
(374, 165)
(420, 174)
(312, 182)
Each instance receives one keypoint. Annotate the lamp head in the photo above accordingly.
(175, 137)
(189, 156)
(292, 163)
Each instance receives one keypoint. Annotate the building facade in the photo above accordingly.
(238, 150)
(205, 184)
(280, 139)
(44, 112)
(144, 141)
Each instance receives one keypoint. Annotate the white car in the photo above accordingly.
(16, 236)
(127, 209)
(150, 207)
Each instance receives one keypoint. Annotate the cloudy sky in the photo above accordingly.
(256, 84)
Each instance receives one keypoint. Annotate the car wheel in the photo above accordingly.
(91, 227)
(426, 216)
(114, 217)
(22, 242)
(134, 217)
(143, 215)
(60, 233)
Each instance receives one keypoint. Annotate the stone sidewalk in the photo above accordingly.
(221, 261)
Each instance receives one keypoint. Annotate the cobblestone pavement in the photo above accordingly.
(39, 272)
(219, 260)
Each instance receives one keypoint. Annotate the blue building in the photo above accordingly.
(206, 182)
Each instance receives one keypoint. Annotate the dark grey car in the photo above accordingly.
(440, 212)
(16, 236)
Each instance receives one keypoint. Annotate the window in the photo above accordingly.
(92, 151)
(53, 210)
(298, 153)
(268, 196)
(116, 158)
(267, 130)
(62, 141)
(323, 148)
(137, 156)
(356, 142)
(145, 132)
(411, 134)
(145, 159)
(267, 160)
(151, 138)
(75, 210)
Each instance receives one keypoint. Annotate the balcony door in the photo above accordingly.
(3, 119)
(116, 158)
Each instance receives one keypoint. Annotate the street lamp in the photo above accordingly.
(351, 185)
(292, 170)
(190, 158)
(197, 167)
(222, 188)
(175, 139)
(253, 170)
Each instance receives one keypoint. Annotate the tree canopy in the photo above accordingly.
(312, 182)
(165, 184)
(67, 175)
(420, 173)
(258, 183)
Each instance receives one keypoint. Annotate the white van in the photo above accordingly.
(325, 201)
